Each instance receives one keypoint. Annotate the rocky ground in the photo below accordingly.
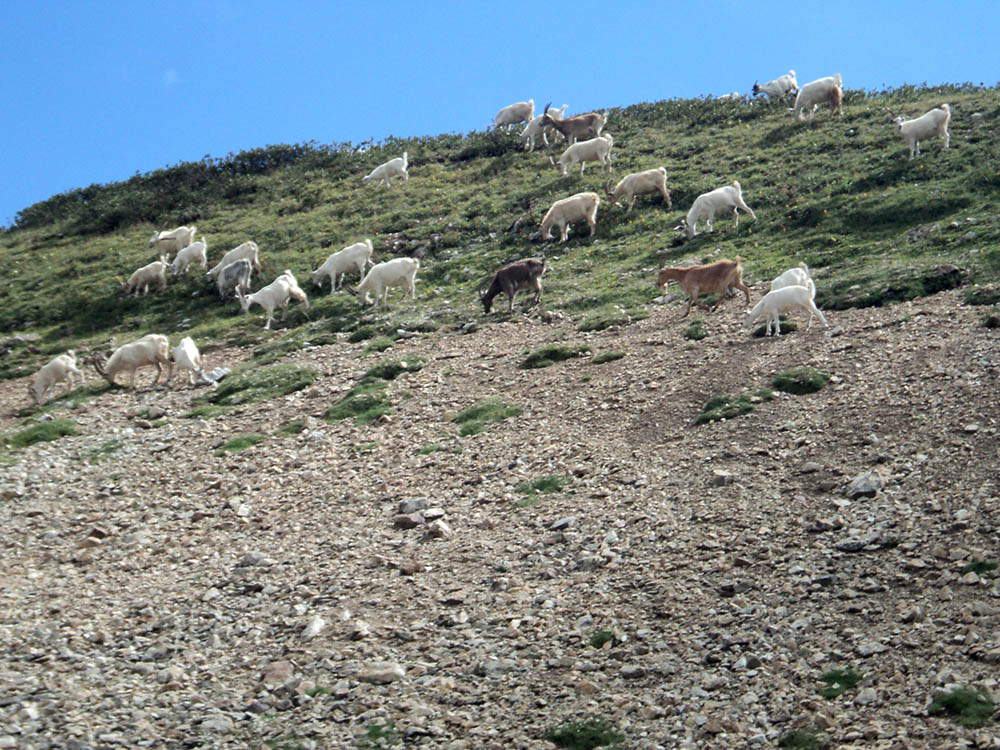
(316, 590)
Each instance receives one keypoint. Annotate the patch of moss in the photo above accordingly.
(601, 357)
(696, 330)
(784, 326)
(366, 402)
(807, 738)
(724, 407)
(966, 706)
(240, 443)
(394, 368)
(252, 384)
(586, 734)
(379, 344)
(477, 417)
(41, 432)
(362, 333)
(549, 355)
(801, 380)
(839, 681)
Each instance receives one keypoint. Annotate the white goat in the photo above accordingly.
(61, 368)
(236, 276)
(357, 256)
(928, 125)
(515, 113)
(796, 277)
(196, 251)
(174, 240)
(153, 349)
(779, 87)
(392, 168)
(732, 96)
(822, 90)
(395, 272)
(725, 199)
(537, 128)
(596, 149)
(248, 250)
(187, 357)
(143, 277)
(579, 207)
(640, 183)
(784, 300)
(275, 294)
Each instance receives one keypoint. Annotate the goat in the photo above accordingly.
(796, 277)
(640, 183)
(595, 149)
(574, 128)
(720, 277)
(725, 199)
(822, 90)
(357, 255)
(521, 275)
(187, 357)
(196, 251)
(275, 294)
(143, 277)
(153, 349)
(928, 125)
(784, 300)
(236, 276)
(174, 240)
(390, 273)
(248, 250)
(535, 128)
(515, 113)
(779, 87)
(579, 207)
(392, 168)
(732, 96)
(55, 371)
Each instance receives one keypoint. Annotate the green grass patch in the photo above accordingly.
(807, 738)
(585, 734)
(380, 736)
(534, 489)
(966, 706)
(602, 357)
(981, 567)
(240, 443)
(784, 326)
(102, 452)
(600, 637)
(983, 295)
(549, 355)
(608, 316)
(293, 428)
(206, 411)
(366, 402)
(428, 449)
(801, 380)
(479, 416)
(41, 432)
(838, 681)
(393, 369)
(724, 407)
(378, 344)
(362, 333)
(252, 384)
(696, 330)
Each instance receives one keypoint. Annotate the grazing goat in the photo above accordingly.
(521, 275)
(823, 90)
(727, 199)
(247, 250)
(275, 294)
(578, 127)
(928, 125)
(390, 273)
(174, 240)
(779, 87)
(579, 207)
(720, 277)
(61, 368)
(392, 168)
(596, 149)
(784, 300)
(143, 277)
(153, 349)
(535, 128)
(196, 251)
(187, 357)
(796, 277)
(732, 96)
(357, 255)
(236, 276)
(640, 183)
(515, 113)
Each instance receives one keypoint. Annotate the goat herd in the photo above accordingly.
(792, 290)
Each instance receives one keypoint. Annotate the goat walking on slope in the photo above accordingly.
(392, 168)
(521, 275)
(928, 125)
(720, 277)
(725, 200)
(784, 300)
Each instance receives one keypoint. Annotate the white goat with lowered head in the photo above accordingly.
(390, 273)
(60, 368)
(248, 250)
(235, 275)
(195, 252)
(579, 207)
(392, 168)
(143, 277)
(275, 294)
(187, 357)
(515, 113)
(823, 90)
(596, 149)
(796, 277)
(779, 87)
(727, 200)
(928, 125)
(640, 183)
(339, 263)
(784, 300)
(174, 240)
(153, 349)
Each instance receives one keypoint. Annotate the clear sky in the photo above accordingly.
(98, 90)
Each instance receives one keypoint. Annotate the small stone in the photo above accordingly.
(586, 687)
(277, 673)
(721, 478)
(360, 629)
(866, 697)
(381, 672)
(220, 723)
(314, 628)
(412, 505)
(568, 522)
(632, 672)
(407, 520)
(864, 485)
(439, 529)
(810, 467)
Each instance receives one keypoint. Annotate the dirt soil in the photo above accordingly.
(155, 594)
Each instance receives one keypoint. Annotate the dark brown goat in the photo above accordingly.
(521, 275)
(579, 127)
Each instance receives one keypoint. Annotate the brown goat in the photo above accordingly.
(521, 275)
(579, 127)
(720, 277)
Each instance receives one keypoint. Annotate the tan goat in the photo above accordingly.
(720, 277)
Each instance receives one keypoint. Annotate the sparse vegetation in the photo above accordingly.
(801, 380)
(601, 357)
(784, 326)
(585, 734)
(838, 681)
(240, 443)
(379, 737)
(378, 344)
(981, 567)
(293, 428)
(807, 738)
(428, 449)
(550, 355)
(251, 384)
(696, 330)
(40, 432)
(600, 637)
(476, 418)
(969, 707)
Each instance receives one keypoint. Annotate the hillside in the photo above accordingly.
(337, 547)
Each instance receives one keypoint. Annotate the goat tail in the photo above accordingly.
(406, 161)
(736, 184)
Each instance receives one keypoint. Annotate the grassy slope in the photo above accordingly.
(838, 194)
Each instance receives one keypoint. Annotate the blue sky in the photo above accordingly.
(95, 91)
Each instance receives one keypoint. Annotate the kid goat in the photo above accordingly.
(275, 294)
(143, 277)
(395, 272)
(822, 90)
(392, 168)
(596, 149)
(784, 300)
(61, 368)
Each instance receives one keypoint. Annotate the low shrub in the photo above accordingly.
(476, 418)
(969, 707)
(801, 380)
(549, 355)
(585, 735)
